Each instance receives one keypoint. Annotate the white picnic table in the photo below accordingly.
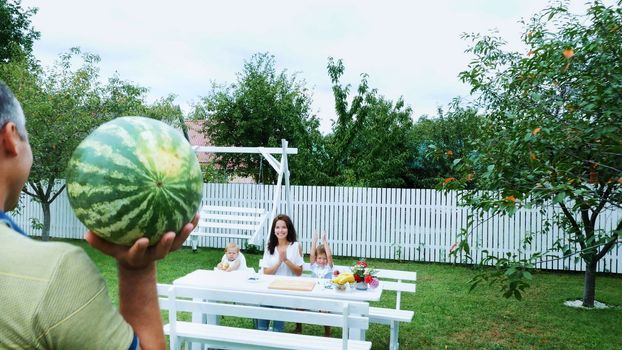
(253, 282)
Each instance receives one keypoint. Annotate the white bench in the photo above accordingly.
(392, 280)
(335, 313)
(404, 282)
(229, 222)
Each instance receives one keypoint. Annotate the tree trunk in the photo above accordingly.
(589, 287)
(45, 234)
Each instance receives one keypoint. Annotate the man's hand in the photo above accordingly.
(140, 255)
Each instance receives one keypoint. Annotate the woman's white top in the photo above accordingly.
(293, 255)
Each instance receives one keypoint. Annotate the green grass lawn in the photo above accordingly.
(447, 316)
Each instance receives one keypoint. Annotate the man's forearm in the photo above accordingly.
(138, 303)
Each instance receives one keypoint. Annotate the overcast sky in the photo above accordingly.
(409, 48)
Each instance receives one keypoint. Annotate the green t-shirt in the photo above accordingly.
(53, 297)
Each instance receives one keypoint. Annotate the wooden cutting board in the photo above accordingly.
(288, 284)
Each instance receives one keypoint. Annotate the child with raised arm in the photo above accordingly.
(232, 260)
(321, 261)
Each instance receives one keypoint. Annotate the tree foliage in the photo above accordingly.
(551, 134)
(63, 104)
(261, 108)
(370, 144)
(440, 140)
(16, 33)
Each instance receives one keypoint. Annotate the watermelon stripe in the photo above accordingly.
(121, 161)
(177, 190)
(105, 212)
(103, 154)
(158, 220)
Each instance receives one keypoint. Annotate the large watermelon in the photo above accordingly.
(134, 177)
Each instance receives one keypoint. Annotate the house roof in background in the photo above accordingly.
(198, 138)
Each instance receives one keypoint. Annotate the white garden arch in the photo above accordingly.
(245, 222)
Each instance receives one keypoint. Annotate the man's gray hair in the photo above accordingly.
(11, 111)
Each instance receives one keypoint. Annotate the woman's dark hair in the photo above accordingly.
(291, 232)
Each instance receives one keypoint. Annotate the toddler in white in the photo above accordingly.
(232, 259)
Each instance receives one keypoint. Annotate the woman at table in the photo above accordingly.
(283, 257)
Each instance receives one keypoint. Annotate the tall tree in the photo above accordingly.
(60, 109)
(260, 109)
(551, 134)
(370, 144)
(62, 106)
(16, 33)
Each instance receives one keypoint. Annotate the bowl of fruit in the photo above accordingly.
(342, 280)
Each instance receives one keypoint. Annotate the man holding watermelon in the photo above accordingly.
(51, 294)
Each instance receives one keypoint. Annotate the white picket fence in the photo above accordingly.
(379, 223)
